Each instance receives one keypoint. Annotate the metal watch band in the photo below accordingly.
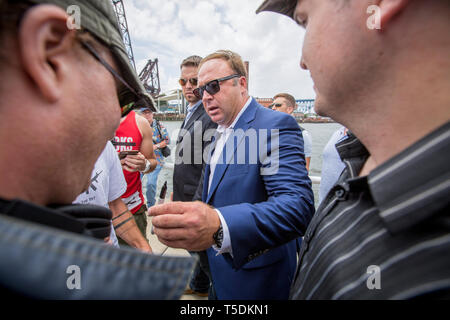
(218, 237)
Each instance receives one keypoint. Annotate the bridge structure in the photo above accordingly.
(149, 75)
(305, 106)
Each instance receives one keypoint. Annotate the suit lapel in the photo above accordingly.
(197, 114)
(185, 128)
(243, 124)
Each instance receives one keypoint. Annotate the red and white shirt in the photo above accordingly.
(128, 132)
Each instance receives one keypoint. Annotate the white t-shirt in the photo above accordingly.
(332, 164)
(307, 143)
(107, 183)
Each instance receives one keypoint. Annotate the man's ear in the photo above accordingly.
(291, 110)
(44, 41)
(243, 83)
(390, 9)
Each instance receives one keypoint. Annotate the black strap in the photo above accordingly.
(120, 215)
(96, 219)
(28, 211)
(122, 223)
(159, 129)
(160, 136)
(90, 220)
(129, 144)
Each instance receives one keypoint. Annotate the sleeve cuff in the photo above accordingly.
(226, 243)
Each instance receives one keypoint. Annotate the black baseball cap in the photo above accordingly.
(99, 19)
(286, 7)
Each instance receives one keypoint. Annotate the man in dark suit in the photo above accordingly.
(257, 194)
(196, 131)
(190, 142)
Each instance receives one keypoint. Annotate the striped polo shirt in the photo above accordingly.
(385, 235)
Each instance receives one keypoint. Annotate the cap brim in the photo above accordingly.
(147, 102)
(130, 76)
(286, 7)
(99, 18)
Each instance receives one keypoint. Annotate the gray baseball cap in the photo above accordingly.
(98, 17)
(286, 7)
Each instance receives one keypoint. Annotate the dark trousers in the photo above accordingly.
(200, 280)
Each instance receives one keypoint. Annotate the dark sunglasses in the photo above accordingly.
(192, 81)
(125, 109)
(275, 105)
(212, 87)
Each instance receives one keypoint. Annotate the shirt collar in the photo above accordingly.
(194, 106)
(353, 153)
(221, 128)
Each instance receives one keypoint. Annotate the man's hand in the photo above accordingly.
(108, 240)
(160, 145)
(133, 163)
(146, 248)
(187, 225)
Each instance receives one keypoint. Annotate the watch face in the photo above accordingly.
(218, 237)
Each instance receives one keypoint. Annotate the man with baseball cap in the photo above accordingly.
(381, 69)
(60, 105)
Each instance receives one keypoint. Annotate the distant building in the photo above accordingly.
(304, 106)
(171, 101)
(266, 102)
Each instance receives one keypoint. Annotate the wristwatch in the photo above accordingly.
(218, 237)
(148, 165)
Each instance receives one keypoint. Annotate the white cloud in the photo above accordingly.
(171, 30)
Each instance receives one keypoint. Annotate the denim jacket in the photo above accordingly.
(40, 262)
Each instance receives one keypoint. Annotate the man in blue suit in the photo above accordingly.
(256, 192)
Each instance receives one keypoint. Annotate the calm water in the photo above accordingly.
(320, 133)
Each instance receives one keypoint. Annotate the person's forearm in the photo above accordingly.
(153, 165)
(125, 226)
(133, 236)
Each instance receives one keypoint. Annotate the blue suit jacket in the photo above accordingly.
(266, 212)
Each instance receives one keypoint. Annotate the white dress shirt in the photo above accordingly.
(190, 111)
(224, 133)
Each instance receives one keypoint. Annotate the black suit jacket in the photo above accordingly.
(189, 160)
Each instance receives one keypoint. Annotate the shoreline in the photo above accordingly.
(180, 117)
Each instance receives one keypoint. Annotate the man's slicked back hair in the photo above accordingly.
(289, 98)
(234, 61)
(192, 61)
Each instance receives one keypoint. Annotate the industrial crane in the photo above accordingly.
(150, 73)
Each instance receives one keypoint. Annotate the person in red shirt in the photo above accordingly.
(135, 134)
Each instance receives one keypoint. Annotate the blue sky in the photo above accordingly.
(171, 30)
